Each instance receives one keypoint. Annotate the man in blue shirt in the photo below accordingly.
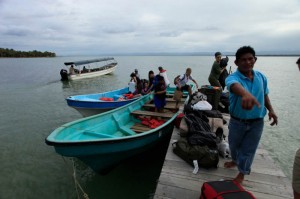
(249, 103)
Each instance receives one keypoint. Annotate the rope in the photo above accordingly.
(85, 195)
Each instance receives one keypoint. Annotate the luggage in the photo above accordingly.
(215, 123)
(224, 190)
(213, 95)
(183, 128)
(196, 155)
(224, 103)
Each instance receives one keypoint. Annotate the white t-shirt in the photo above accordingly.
(131, 86)
(183, 79)
(164, 74)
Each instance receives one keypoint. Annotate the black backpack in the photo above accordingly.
(177, 78)
(205, 157)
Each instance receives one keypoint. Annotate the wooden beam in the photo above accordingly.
(156, 114)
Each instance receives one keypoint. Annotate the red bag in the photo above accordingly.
(178, 119)
(109, 99)
(224, 190)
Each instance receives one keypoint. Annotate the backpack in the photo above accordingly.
(196, 155)
(224, 189)
(177, 78)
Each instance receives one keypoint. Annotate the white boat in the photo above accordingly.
(88, 68)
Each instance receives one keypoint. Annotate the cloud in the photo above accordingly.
(148, 26)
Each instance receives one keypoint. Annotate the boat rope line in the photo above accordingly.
(73, 173)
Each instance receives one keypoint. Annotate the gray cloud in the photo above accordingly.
(69, 26)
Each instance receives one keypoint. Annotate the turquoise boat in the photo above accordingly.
(102, 141)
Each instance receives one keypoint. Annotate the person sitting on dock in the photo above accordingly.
(249, 102)
(181, 82)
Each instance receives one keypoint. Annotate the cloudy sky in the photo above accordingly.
(89, 27)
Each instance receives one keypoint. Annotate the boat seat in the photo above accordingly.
(169, 94)
(100, 135)
(168, 106)
(172, 100)
(127, 130)
(150, 113)
(139, 128)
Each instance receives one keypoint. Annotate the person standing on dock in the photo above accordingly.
(216, 71)
(296, 175)
(298, 62)
(249, 102)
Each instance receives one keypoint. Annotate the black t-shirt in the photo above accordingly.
(160, 87)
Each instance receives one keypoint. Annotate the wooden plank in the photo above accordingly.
(194, 183)
(139, 128)
(172, 100)
(175, 192)
(168, 106)
(156, 114)
(265, 181)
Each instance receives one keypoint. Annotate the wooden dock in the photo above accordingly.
(266, 181)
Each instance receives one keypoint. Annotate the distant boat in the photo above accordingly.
(88, 68)
(104, 140)
(91, 104)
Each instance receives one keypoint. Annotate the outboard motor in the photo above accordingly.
(64, 75)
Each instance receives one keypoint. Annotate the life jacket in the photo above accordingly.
(109, 99)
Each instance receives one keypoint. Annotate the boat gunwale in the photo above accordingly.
(54, 142)
(94, 73)
(88, 101)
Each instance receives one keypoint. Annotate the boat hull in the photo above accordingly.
(92, 74)
(102, 156)
(103, 141)
(90, 104)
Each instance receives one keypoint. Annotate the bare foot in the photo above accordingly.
(229, 165)
(239, 178)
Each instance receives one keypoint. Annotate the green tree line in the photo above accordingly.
(5, 52)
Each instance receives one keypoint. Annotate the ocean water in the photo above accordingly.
(32, 104)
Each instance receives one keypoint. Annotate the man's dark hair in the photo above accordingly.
(217, 54)
(243, 50)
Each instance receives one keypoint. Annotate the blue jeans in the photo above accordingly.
(243, 141)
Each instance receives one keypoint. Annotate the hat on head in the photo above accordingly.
(217, 54)
(135, 69)
(298, 62)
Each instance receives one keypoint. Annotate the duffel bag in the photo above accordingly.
(196, 155)
(227, 189)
